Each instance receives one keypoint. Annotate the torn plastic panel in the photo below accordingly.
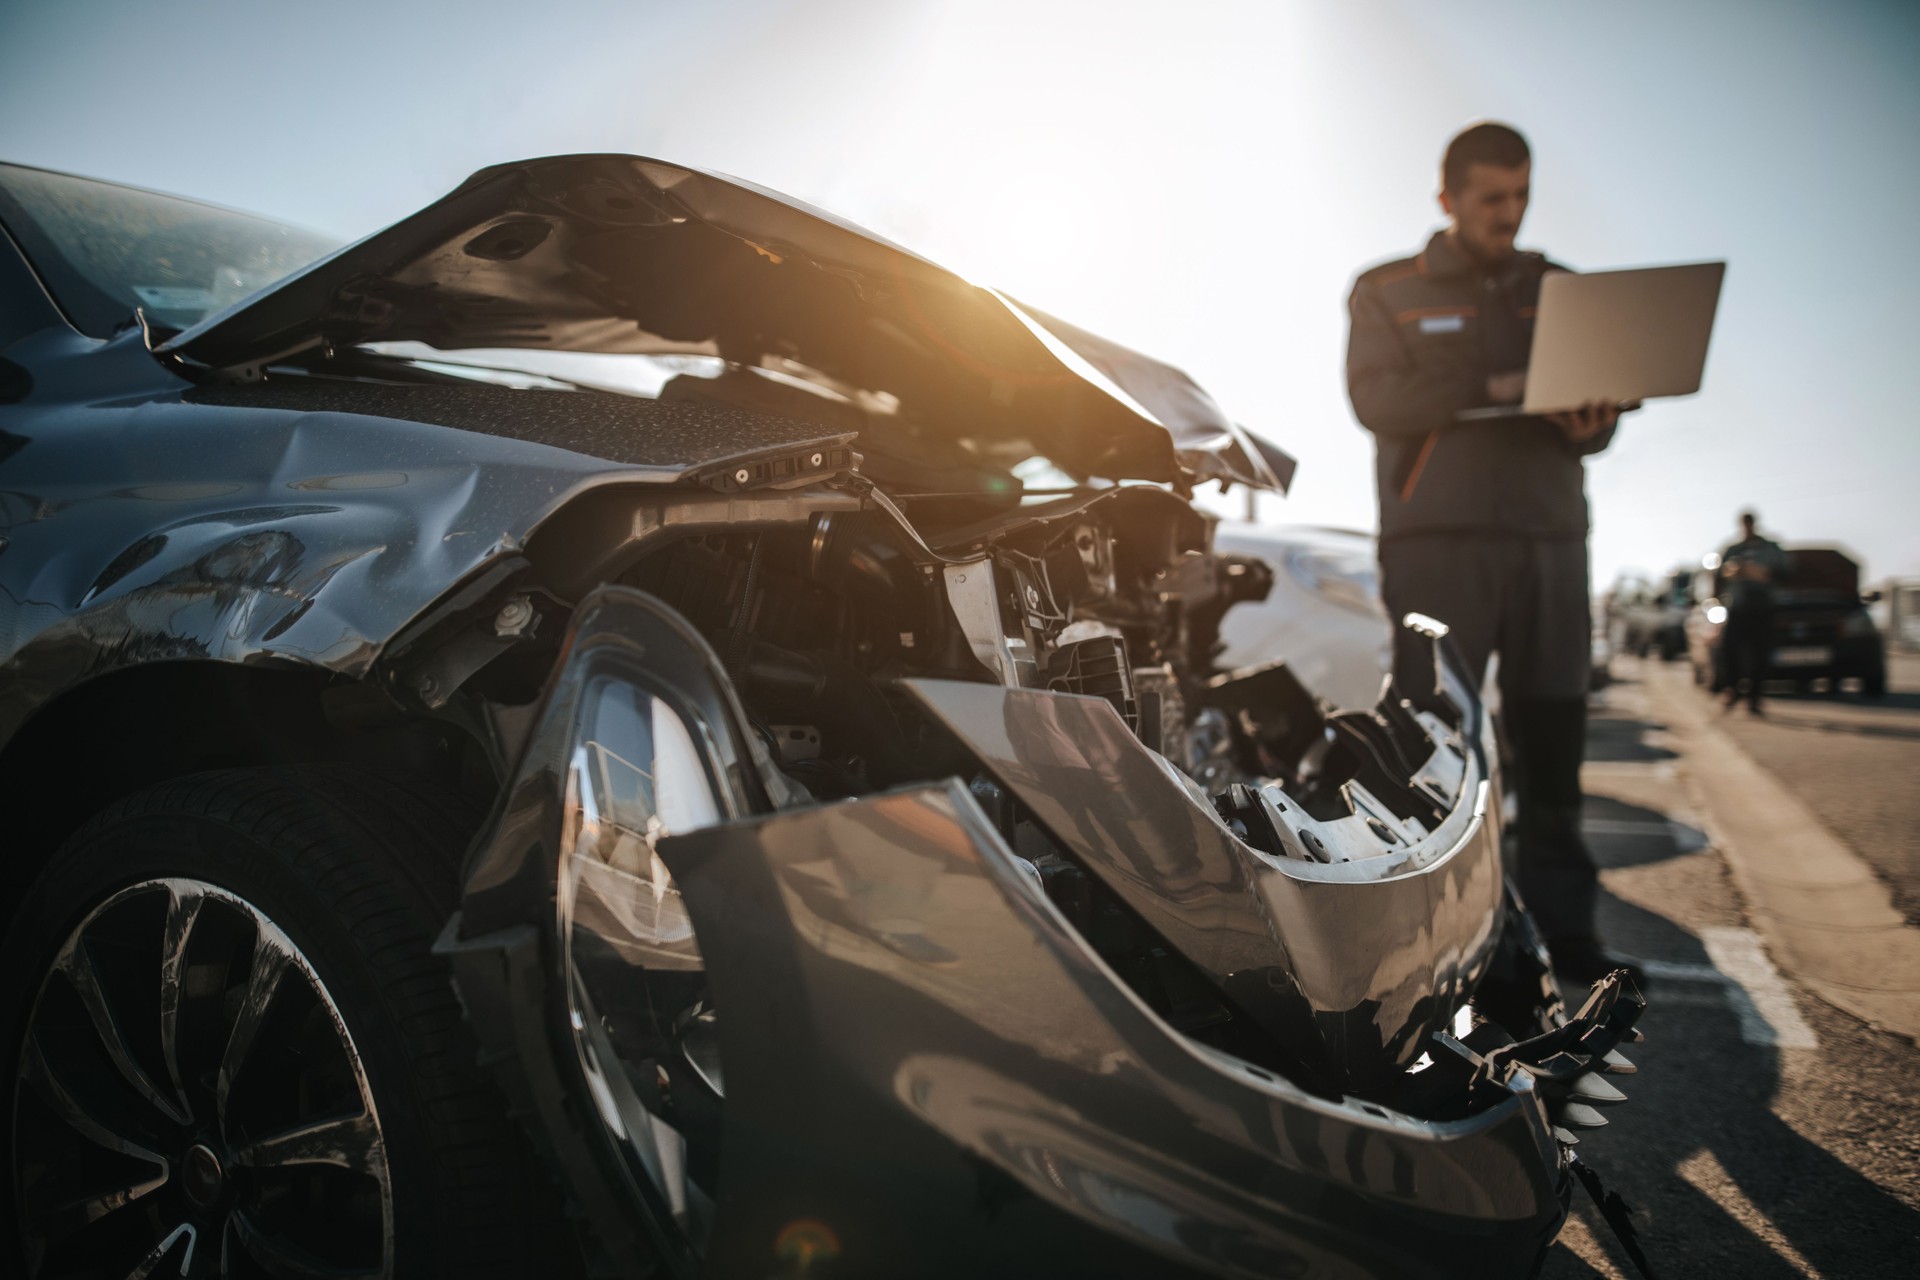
(929, 1067)
(925, 1069)
(1350, 937)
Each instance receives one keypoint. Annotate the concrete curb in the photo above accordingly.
(1826, 917)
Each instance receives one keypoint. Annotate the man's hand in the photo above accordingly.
(1589, 420)
(1507, 388)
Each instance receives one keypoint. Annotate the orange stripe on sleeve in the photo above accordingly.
(1419, 465)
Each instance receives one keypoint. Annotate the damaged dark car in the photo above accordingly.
(625, 726)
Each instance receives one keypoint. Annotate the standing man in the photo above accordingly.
(1483, 522)
(1744, 584)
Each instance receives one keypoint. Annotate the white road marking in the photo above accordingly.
(1768, 1014)
(1749, 985)
(1686, 839)
(1661, 769)
(1676, 971)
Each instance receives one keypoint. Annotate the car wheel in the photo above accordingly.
(233, 1052)
(1874, 685)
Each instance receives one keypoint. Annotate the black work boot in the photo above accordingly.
(1580, 960)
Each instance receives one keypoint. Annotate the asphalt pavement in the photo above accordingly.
(1769, 1132)
(1856, 764)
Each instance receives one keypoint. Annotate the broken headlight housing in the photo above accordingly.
(633, 971)
(652, 749)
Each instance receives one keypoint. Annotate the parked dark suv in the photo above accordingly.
(1821, 627)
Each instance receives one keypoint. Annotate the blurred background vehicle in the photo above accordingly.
(1898, 614)
(1600, 672)
(1646, 615)
(1324, 612)
(1821, 628)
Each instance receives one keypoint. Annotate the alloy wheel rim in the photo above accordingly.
(190, 1102)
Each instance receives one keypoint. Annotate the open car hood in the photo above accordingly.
(621, 254)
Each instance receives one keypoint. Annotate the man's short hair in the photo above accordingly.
(1485, 143)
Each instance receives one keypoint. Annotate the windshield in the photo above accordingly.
(101, 249)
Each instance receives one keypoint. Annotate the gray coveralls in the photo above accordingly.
(1483, 525)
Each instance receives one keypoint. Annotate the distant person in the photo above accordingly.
(1483, 524)
(1744, 585)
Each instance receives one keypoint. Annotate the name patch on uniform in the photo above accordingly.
(1442, 324)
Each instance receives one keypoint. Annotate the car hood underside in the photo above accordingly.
(621, 254)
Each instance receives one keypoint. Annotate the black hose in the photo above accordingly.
(738, 643)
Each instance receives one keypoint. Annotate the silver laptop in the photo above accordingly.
(1623, 336)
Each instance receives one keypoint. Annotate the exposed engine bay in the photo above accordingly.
(832, 604)
(1110, 595)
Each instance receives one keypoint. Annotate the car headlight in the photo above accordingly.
(574, 950)
(634, 777)
(634, 976)
(1716, 614)
(640, 738)
(1349, 579)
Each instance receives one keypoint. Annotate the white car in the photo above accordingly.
(1323, 615)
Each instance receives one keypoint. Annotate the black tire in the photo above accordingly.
(359, 874)
(1874, 685)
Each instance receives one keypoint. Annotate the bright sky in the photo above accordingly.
(1201, 180)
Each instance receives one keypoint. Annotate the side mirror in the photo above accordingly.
(1870, 597)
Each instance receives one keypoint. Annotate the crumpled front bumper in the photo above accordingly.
(930, 1072)
(1350, 963)
(927, 1062)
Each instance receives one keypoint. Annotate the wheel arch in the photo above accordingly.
(137, 726)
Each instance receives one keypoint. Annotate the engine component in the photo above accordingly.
(1096, 667)
(1277, 719)
(1163, 711)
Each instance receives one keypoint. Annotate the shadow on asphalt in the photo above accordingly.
(1635, 835)
(1702, 1103)
(1614, 739)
